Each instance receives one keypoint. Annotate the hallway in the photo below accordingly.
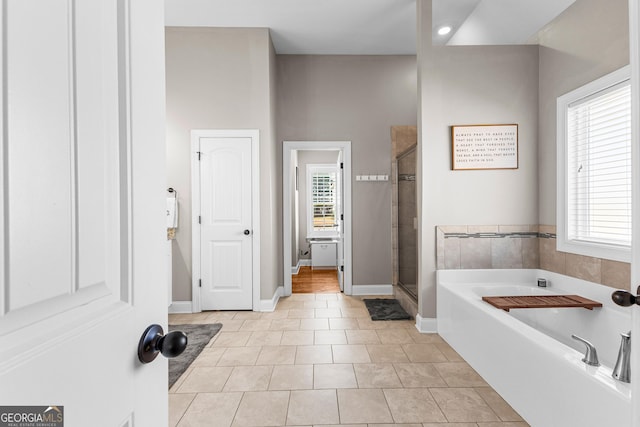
(319, 360)
(310, 281)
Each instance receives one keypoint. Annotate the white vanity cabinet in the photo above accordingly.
(324, 255)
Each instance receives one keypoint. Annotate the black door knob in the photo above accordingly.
(625, 299)
(153, 342)
(247, 232)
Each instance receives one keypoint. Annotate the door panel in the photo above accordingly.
(226, 215)
(75, 153)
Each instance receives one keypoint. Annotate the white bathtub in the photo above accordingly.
(528, 356)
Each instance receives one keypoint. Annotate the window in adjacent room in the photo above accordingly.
(322, 200)
(594, 168)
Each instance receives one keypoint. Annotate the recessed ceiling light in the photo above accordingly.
(443, 31)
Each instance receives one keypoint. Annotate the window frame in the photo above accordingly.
(564, 244)
(311, 169)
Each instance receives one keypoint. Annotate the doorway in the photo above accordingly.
(317, 242)
(226, 220)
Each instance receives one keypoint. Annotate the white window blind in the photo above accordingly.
(324, 200)
(598, 167)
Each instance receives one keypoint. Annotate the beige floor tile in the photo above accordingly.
(387, 353)
(285, 304)
(400, 425)
(330, 337)
(205, 379)
(274, 315)
(449, 352)
(237, 356)
(420, 353)
(343, 323)
(419, 375)
(231, 339)
(367, 323)
(313, 324)
(249, 378)
(285, 325)
(463, 405)
(376, 375)
(292, 377)
(413, 405)
(211, 410)
(178, 404)
(355, 312)
(334, 376)
(247, 315)
(221, 315)
(363, 406)
(505, 424)
(459, 374)
(303, 297)
(450, 425)
(351, 353)
(277, 355)
(421, 338)
(315, 304)
(302, 313)
(329, 313)
(262, 408)
(297, 338)
(256, 325)
(209, 356)
(313, 407)
(260, 338)
(176, 385)
(359, 336)
(231, 325)
(394, 336)
(502, 409)
(312, 354)
(326, 297)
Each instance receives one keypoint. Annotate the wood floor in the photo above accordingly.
(314, 281)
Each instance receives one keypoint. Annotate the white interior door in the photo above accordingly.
(82, 208)
(225, 222)
(340, 219)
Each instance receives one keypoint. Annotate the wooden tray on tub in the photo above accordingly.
(506, 303)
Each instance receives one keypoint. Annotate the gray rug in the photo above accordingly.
(198, 336)
(386, 309)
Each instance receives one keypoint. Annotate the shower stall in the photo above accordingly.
(407, 267)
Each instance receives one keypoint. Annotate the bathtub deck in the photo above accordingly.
(506, 303)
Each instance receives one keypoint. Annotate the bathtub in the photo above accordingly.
(528, 356)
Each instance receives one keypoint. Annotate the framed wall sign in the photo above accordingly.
(476, 147)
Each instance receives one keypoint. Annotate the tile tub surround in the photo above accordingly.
(342, 370)
(521, 246)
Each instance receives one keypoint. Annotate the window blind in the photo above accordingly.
(599, 167)
(323, 200)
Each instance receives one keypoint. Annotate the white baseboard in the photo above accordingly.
(180, 307)
(427, 325)
(372, 290)
(296, 269)
(305, 262)
(270, 304)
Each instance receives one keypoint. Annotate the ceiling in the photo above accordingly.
(369, 27)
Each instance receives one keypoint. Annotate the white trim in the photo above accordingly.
(196, 134)
(306, 262)
(287, 148)
(426, 325)
(270, 304)
(296, 269)
(181, 307)
(372, 289)
(592, 249)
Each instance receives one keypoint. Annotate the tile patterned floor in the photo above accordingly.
(319, 360)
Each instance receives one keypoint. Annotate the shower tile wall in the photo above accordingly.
(522, 246)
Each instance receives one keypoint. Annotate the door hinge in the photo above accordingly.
(341, 217)
(200, 282)
(341, 165)
(342, 268)
(199, 153)
(199, 219)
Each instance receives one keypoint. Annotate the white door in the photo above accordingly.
(225, 222)
(340, 219)
(82, 270)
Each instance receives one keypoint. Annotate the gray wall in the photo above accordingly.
(471, 85)
(357, 99)
(589, 40)
(221, 78)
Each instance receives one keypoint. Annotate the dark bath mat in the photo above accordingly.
(386, 309)
(198, 336)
